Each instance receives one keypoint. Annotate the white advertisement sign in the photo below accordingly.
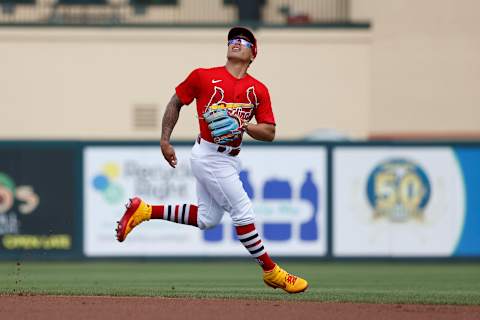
(400, 202)
(287, 186)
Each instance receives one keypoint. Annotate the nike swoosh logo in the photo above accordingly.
(216, 81)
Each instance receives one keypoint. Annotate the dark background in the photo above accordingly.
(51, 174)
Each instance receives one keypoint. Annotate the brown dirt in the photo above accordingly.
(139, 308)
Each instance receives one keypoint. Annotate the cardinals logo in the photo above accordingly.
(244, 111)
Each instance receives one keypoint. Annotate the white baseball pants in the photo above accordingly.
(219, 188)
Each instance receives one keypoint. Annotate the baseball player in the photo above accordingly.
(227, 99)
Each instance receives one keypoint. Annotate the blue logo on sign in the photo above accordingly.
(279, 201)
(398, 190)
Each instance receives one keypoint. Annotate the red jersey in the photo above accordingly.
(246, 97)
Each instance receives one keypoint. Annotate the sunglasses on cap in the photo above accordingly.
(243, 42)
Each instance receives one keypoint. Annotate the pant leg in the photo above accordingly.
(219, 176)
(209, 212)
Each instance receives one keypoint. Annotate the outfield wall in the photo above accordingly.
(355, 200)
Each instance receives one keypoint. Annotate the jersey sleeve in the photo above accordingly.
(189, 88)
(264, 113)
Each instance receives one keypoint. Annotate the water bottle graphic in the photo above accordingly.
(309, 192)
(277, 189)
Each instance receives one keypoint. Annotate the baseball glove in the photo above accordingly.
(224, 127)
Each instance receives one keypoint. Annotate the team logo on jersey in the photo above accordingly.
(398, 190)
(242, 110)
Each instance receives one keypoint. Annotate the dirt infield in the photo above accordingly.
(138, 308)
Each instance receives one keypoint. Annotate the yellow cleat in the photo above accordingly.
(137, 212)
(279, 278)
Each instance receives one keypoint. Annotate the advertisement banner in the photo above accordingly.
(286, 184)
(397, 201)
(37, 201)
(469, 242)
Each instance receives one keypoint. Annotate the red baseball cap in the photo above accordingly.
(244, 32)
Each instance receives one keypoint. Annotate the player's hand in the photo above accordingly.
(169, 153)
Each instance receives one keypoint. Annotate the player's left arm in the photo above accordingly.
(264, 129)
(261, 131)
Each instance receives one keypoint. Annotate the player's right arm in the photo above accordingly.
(170, 118)
(184, 94)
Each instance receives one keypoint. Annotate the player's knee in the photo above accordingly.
(205, 224)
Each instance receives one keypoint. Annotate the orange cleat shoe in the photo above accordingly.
(137, 212)
(279, 278)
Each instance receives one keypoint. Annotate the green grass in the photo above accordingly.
(424, 283)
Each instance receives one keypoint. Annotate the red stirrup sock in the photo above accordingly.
(249, 237)
(183, 214)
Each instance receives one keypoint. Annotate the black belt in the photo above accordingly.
(222, 149)
(233, 152)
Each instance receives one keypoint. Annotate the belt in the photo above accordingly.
(231, 151)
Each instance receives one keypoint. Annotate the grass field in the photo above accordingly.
(423, 283)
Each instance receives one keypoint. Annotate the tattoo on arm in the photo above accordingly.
(170, 117)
